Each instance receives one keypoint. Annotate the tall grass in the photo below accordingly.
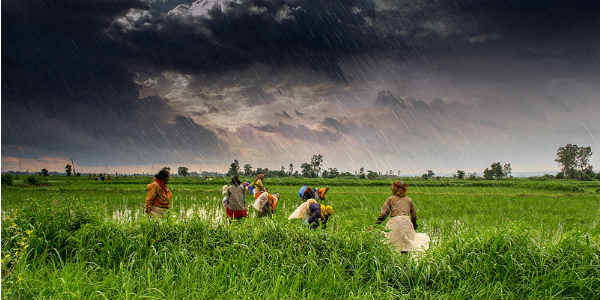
(505, 243)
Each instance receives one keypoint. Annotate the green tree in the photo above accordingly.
(497, 170)
(362, 173)
(307, 170)
(460, 174)
(332, 173)
(234, 168)
(430, 173)
(44, 172)
(291, 169)
(316, 161)
(372, 174)
(567, 157)
(247, 169)
(583, 160)
(183, 171)
(488, 174)
(507, 169)
(68, 169)
(282, 172)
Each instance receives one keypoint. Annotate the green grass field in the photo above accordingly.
(511, 239)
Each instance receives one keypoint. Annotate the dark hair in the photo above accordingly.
(235, 180)
(162, 175)
(308, 194)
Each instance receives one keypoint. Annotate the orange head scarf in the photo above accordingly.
(399, 188)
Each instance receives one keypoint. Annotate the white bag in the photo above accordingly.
(302, 211)
(261, 201)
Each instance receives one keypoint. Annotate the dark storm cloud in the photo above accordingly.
(333, 123)
(66, 90)
(312, 33)
(301, 132)
(283, 114)
(257, 96)
(68, 83)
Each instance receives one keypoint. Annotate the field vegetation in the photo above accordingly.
(71, 237)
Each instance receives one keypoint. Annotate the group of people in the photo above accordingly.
(401, 226)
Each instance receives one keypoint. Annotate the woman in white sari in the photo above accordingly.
(403, 221)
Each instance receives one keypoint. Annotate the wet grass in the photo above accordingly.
(81, 239)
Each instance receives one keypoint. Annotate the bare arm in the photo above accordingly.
(385, 211)
(150, 195)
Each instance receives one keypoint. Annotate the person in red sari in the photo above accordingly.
(235, 201)
(158, 196)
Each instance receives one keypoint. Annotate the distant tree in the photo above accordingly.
(430, 174)
(371, 174)
(247, 169)
(316, 161)
(488, 174)
(183, 171)
(325, 174)
(473, 176)
(567, 157)
(68, 169)
(583, 160)
(44, 172)
(296, 174)
(424, 176)
(333, 172)
(291, 169)
(307, 170)
(497, 170)
(507, 169)
(362, 173)
(282, 172)
(234, 168)
(460, 174)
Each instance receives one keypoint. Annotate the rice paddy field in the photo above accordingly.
(76, 238)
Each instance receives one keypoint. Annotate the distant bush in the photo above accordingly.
(33, 180)
(7, 179)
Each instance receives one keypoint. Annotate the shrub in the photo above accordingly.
(7, 179)
(33, 180)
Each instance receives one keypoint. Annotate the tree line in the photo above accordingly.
(573, 159)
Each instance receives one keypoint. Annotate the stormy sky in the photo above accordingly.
(382, 84)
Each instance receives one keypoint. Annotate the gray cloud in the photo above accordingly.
(472, 79)
(283, 114)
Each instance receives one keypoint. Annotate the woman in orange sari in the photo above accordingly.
(158, 196)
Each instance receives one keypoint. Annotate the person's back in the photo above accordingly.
(236, 197)
(398, 206)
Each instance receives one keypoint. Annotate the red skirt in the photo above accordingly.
(234, 214)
